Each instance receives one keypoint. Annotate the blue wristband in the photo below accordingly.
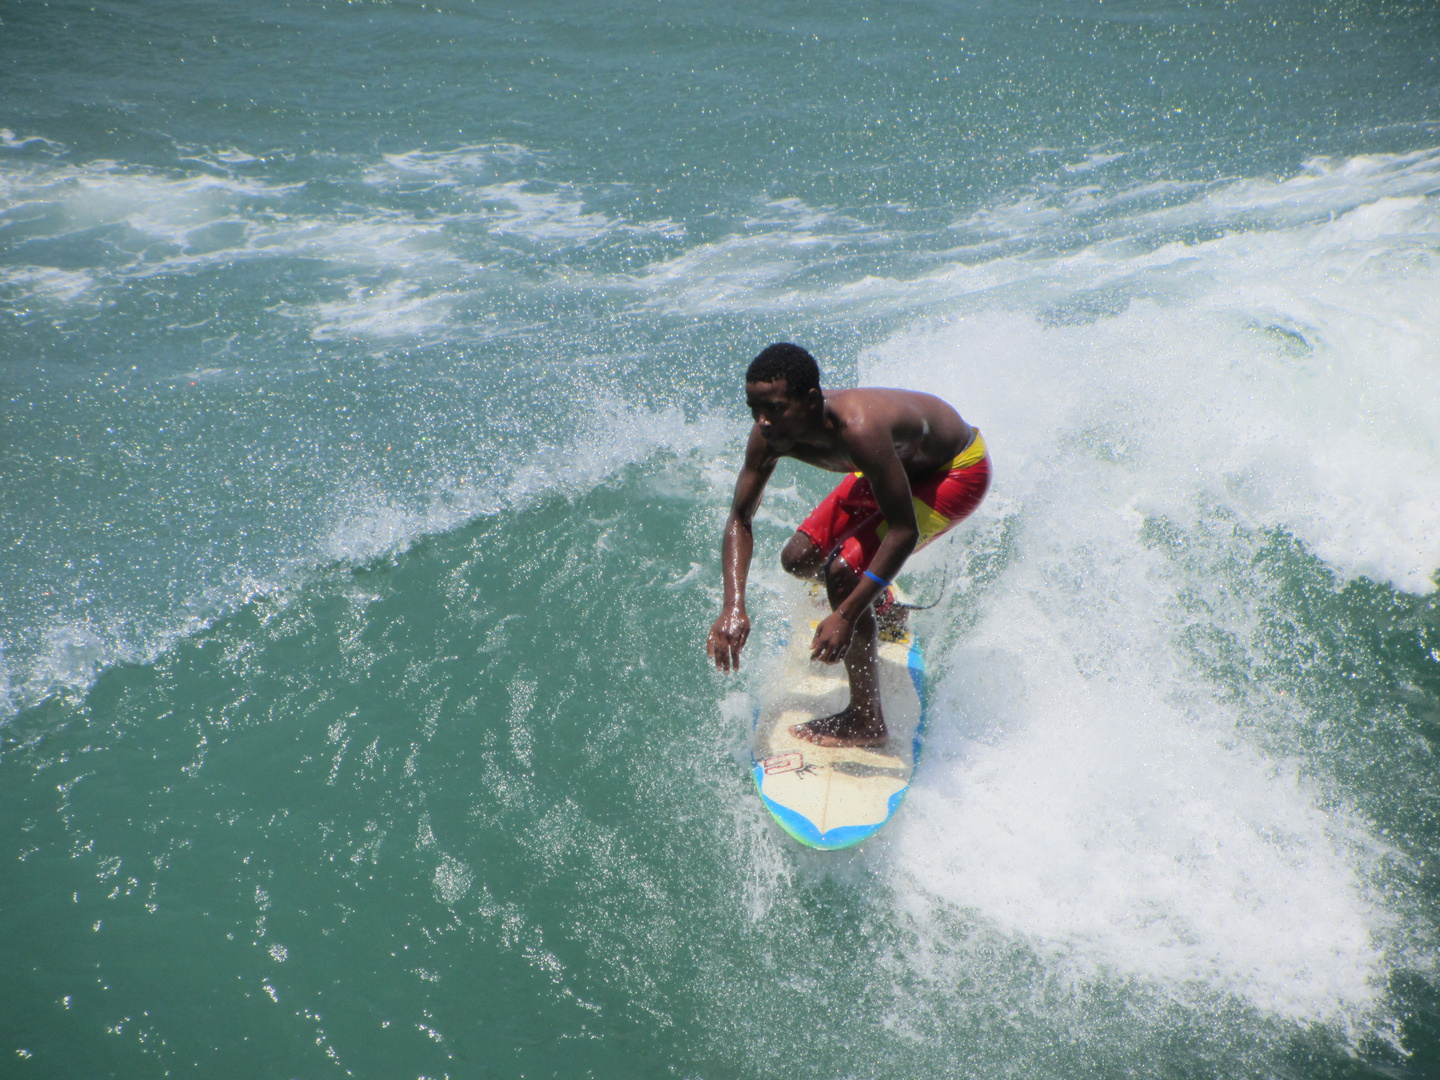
(877, 579)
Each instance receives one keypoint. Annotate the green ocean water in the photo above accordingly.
(369, 406)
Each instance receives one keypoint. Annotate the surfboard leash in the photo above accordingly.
(944, 584)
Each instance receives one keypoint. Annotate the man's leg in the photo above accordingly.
(862, 722)
(803, 558)
(862, 660)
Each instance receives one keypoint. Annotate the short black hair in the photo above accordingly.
(789, 362)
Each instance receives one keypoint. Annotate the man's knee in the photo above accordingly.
(801, 556)
(840, 576)
(840, 581)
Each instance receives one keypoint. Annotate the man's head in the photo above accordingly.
(782, 388)
(789, 362)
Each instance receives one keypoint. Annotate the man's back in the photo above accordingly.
(925, 432)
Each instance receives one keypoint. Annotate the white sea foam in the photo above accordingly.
(1286, 376)
(1322, 189)
(231, 155)
(11, 141)
(539, 210)
(452, 881)
(762, 267)
(557, 218)
(74, 652)
(364, 523)
(395, 309)
(612, 435)
(465, 165)
(162, 207)
(1141, 240)
(49, 285)
(1084, 789)
(401, 275)
(414, 264)
(800, 221)
(1085, 793)
(1088, 791)
(372, 523)
(8, 704)
(1093, 161)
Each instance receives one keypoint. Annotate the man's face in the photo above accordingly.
(779, 417)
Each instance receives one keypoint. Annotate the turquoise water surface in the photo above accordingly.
(370, 400)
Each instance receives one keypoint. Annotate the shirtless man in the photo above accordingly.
(915, 470)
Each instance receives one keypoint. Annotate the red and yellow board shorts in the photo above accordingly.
(849, 521)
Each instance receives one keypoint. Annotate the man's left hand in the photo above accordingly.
(832, 638)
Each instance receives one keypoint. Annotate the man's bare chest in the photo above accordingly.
(830, 460)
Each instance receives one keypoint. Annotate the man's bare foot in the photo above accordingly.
(845, 728)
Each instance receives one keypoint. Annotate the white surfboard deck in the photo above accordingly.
(835, 797)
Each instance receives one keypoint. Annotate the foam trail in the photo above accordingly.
(1076, 252)
(1083, 794)
(611, 436)
(1089, 792)
(11, 141)
(462, 270)
(363, 524)
(402, 272)
(1285, 374)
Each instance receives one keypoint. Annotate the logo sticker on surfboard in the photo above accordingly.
(783, 763)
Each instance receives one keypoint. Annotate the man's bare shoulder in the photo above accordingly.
(924, 431)
(873, 403)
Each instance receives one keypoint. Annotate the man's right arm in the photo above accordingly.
(732, 628)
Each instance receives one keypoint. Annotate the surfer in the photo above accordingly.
(916, 469)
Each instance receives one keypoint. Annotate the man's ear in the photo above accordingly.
(813, 396)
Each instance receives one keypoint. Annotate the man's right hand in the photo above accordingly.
(727, 638)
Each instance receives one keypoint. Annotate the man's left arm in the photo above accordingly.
(891, 486)
(876, 458)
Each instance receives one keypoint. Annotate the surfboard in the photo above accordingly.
(835, 797)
